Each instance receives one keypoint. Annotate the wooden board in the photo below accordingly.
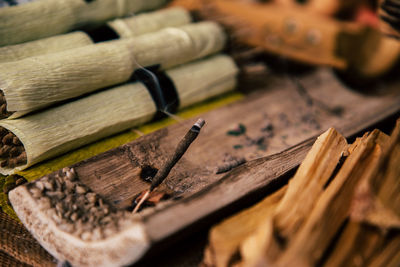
(281, 122)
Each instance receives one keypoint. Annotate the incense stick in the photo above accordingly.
(162, 174)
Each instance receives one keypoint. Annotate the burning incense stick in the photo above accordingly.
(162, 174)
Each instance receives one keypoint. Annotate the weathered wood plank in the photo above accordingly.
(275, 119)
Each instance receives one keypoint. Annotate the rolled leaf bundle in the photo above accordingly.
(150, 22)
(4, 3)
(37, 82)
(119, 28)
(44, 18)
(34, 138)
(44, 46)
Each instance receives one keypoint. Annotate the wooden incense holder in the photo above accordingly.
(80, 214)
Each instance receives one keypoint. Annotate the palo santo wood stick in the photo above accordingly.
(303, 191)
(332, 207)
(162, 174)
(376, 201)
(308, 183)
(358, 243)
(40, 19)
(60, 129)
(37, 82)
(124, 28)
(386, 183)
(363, 240)
(389, 256)
(226, 238)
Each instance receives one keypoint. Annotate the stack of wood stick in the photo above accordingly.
(341, 208)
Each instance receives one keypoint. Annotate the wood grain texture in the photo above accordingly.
(116, 174)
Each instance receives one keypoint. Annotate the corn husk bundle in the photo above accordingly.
(45, 18)
(124, 28)
(37, 82)
(44, 46)
(150, 22)
(342, 208)
(4, 3)
(63, 128)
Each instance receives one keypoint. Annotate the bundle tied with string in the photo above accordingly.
(37, 82)
(120, 28)
(44, 18)
(60, 129)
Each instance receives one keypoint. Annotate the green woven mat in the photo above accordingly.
(101, 146)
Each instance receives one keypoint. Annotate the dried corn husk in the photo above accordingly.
(125, 28)
(63, 128)
(150, 22)
(37, 82)
(44, 18)
(193, 87)
(44, 46)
